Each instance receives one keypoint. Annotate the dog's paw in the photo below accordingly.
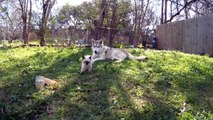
(118, 61)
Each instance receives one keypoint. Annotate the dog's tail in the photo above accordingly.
(139, 58)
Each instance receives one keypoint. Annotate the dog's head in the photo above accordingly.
(87, 59)
(97, 46)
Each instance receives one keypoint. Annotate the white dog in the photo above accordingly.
(86, 64)
(102, 52)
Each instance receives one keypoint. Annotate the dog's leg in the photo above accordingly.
(82, 69)
(90, 69)
(98, 59)
(118, 60)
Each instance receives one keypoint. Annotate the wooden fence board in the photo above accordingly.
(191, 36)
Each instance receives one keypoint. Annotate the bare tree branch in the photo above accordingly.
(172, 1)
(178, 12)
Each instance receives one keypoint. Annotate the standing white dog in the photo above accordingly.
(102, 52)
(86, 64)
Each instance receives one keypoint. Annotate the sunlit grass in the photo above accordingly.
(169, 85)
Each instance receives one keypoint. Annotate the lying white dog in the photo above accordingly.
(102, 52)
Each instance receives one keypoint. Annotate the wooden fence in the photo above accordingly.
(191, 36)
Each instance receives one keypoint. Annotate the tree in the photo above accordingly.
(112, 24)
(84, 13)
(74, 18)
(89, 12)
(117, 16)
(47, 6)
(165, 10)
(143, 17)
(9, 20)
(26, 10)
(185, 9)
(99, 22)
(203, 7)
(162, 12)
(186, 4)
(69, 15)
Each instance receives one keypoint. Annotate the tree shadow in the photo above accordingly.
(189, 89)
(78, 96)
(18, 95)
(103, 94)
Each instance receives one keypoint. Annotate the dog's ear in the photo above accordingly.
(93, 41)
(83, 57)
(102, 41)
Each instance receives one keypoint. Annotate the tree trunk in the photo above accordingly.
(165, 11)
(25, 18)
(29, 20)
(42, 31)
(185, 10)
(87, 35)
(98, 23)
(24, 33)
(162, 8)
(111, 35)
(42, 41)
(42, 27)
(112, 25)
(171, 9)
(46, 8)
(135, 25)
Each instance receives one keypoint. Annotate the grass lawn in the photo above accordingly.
(169, 85)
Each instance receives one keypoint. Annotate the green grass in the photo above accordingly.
(169, 85)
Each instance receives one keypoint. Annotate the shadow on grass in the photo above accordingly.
(190, 89)
(80, 97)
(18, 95)
(103, 94)
(5, 48)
